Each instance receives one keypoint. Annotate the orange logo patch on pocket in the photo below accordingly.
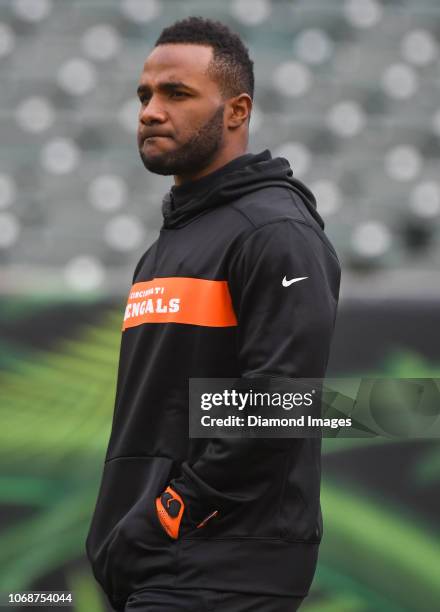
(179, 299)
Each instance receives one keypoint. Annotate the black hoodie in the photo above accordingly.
(209, 301)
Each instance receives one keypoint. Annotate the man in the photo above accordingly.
(219, 524)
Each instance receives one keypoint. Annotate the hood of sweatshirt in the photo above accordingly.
(239, 177)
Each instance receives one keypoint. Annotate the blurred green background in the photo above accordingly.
(380, 499)
(347, 91)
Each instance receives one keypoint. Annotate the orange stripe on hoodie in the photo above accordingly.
(180, 299)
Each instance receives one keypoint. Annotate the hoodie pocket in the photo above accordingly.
(127, 546)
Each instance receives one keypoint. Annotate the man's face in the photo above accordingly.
(181, 118)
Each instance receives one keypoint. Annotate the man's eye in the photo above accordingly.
(178, 93)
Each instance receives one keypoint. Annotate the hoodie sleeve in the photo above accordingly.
(284, 283)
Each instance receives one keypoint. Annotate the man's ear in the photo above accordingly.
(238, 110)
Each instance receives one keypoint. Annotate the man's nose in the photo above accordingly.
(152, 112)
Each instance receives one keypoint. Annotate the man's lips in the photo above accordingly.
(156, 136)
(154, 141)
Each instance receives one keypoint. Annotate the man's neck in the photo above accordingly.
(220, 161)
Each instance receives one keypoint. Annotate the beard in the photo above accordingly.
(192, 156)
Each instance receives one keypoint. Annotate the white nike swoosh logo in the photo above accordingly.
(286, 282)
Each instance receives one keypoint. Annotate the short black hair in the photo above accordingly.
(231, 65)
